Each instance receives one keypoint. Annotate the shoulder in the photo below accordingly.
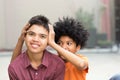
(18, 61)
(54, 58)
(85, 59)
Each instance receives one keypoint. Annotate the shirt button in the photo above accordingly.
(36, 73)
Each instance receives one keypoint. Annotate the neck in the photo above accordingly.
(35, 59)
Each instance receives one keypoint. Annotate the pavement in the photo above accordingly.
(103, 63)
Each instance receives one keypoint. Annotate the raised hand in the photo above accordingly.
(51, 35)
(18, 47)
(23, 32)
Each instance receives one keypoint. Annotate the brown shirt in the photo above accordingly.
(52, 68)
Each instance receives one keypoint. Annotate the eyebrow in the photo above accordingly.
(35, 33)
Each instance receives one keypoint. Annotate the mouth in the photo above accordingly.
(35, 46)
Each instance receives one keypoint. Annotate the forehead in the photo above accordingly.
(65, 38)
(38, 29)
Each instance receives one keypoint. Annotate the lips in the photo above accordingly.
(35, 45)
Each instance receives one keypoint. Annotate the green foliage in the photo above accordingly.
(104, 43)
(86, 18)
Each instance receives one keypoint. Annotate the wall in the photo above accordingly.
(17, 13)
(2, 25)
(14, 14)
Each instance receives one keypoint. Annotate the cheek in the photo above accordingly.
(27, 40)
(44, 42)
(72, 49)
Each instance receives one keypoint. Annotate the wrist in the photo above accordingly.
(20, 39)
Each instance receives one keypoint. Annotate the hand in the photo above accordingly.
(51, 35)
(18, 48)
(23, 32)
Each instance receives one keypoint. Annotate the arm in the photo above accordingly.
(73, 58)
(19, 44)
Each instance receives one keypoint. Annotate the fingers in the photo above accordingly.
(51, 34)
(51, 28)
(25, 28)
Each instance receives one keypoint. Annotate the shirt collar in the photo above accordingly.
(45, 60)
(27, 61)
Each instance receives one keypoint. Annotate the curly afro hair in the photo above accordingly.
(71, 28)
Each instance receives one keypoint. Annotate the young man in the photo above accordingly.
(70, 37)
(36, 63)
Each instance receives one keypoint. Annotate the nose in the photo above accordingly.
(36, 38)
(64, 46)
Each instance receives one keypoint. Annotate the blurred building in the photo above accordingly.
(15, 14)
(117, 20)
(110, 20)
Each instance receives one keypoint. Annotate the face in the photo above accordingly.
(36, 39)
(68, 44)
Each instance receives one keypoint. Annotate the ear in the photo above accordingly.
(78, 48)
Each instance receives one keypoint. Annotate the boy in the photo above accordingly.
(36, 63)
(70, 37)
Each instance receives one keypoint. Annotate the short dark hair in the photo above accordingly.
(39, 20)
(72, 28)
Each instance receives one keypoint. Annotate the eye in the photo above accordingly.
(30, 33)
(59, 43)
(69, 43)
(43, 36)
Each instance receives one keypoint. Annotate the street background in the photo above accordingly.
(102, 64)
(100, 17)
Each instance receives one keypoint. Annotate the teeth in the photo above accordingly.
(34, 45)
